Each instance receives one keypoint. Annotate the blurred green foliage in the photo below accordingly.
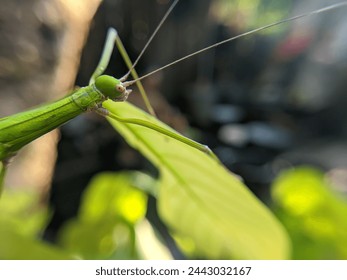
(111, 222)
(105, 226)
(251, 13)
(313, 213)
(22, 212)
(200, 200)
(22, 219)
(2, 175)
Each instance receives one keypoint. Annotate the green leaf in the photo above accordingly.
(14, 246)
(104, 239)
(113, 194)
(21, 210)
(22, 220)
(313, 213)
(104, 228)
(201, 199)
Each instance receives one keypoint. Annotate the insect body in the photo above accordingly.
(20, 129)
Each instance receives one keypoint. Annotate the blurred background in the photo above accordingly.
(271, 106)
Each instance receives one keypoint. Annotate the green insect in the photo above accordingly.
(20, 129)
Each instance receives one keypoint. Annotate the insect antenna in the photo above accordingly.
(125, 77)
(311, 13)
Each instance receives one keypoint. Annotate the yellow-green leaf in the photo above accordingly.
(21, 210)
(313, 213)
(104, 239)
(22, 220)
(14, 246)
(104, 228)
(111, 195)
(201, 199)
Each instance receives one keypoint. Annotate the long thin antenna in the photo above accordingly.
(150, 40)
(128, 63)
(331, 7)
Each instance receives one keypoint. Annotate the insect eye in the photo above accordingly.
(120, 88)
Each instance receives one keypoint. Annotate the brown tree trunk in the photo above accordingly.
(39, 54)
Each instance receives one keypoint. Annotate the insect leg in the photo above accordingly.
(106, 54)
(133, 72)
(203, 148)
(112, 39)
